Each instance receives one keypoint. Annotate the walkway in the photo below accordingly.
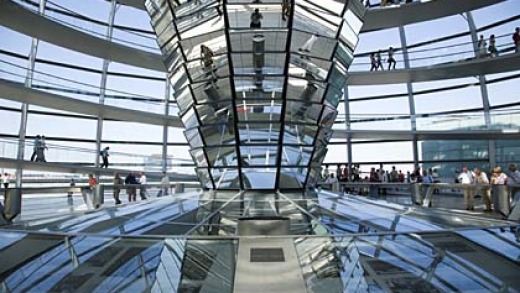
(15, 91)
(22, 20)
(397, 15)
(69, 168)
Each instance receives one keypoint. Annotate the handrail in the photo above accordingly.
(502, 48)
(78, 188)
(91, 32)
(78, 149)
(69, 80)
(337, 236)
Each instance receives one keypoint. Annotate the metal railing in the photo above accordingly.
(85, 157)
(504, 198)
(436, 55)
(27, 203)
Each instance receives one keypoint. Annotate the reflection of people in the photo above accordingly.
(219, 12)
(286, 9)
(307, 46)
(206, 56)
(256, 19)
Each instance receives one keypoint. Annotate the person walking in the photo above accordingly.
(307, 46)
(40, 146)
(131, 184)
(482, 181)
(118, 182)
(379, 61)
(466, 178)
(516, 39)
(286, 9)
(5, 180)
(104, 156)
(481, 47)
(206, 57)
(165, 185)
(36, 145)
(72, 184)
(391, 60)
(256, 19)
(142, 190)
(492, 46)
(373, 62)
(93, 184)
(43, 147)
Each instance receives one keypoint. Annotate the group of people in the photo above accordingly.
(484, 49)
(475, 181)
(391, 2)
(376, 175)
(255, 19)
(376, 62)
(478, 181)
(131, 183)
(39, 147)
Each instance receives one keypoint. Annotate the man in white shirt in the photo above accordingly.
(142, 181)
(466, 178)
(332, 182)
(482, 180)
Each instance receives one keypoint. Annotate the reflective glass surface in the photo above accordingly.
(265, 75)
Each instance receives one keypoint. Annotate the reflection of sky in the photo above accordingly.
(127, 16)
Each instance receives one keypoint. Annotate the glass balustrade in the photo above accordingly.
(98, 28)
(501, 120)
(443, 261)
(74, 156)
(434, 55)
(82, 90)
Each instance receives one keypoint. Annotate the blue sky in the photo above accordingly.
(126, 16)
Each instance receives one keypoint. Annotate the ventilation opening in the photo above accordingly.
(267, 255)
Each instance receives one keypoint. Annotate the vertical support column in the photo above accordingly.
(165, 127)
(483, 90)
(25, 106)
(346, 106)
(411, 102)
(103, 84)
